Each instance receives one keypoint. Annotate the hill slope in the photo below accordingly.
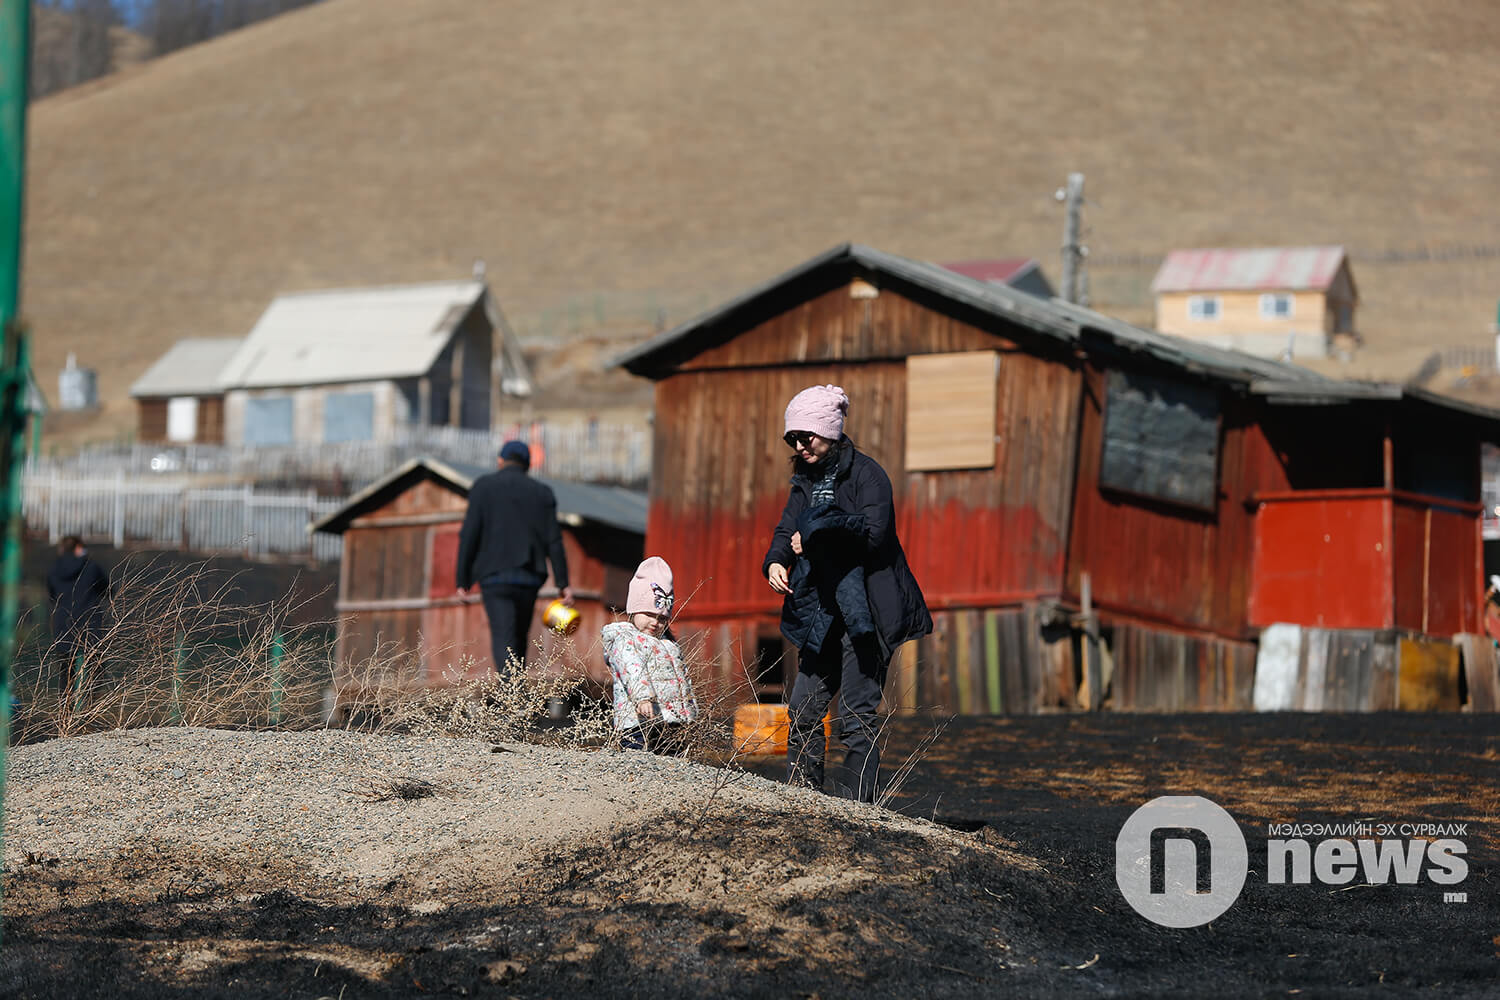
(612, 161)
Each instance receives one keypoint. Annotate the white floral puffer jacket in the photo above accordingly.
(646, 668)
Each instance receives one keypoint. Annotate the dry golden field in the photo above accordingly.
(616, 162)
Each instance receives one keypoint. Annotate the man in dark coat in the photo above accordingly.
(77, 588)
(509, 536)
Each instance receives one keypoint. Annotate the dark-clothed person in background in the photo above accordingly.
(77, 588)
(509, 536)
(850, 598)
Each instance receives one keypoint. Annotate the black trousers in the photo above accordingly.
(69, 645)
(509, 608)
(669, 739)
(855, 673)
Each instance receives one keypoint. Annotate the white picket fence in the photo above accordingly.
(586, 452)
(175, 514)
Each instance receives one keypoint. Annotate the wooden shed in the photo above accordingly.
(1064, 482)
(397, 601)
(1269, 301)
(355, 365)
(180, 398)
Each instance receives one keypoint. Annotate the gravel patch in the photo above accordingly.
(331, 801)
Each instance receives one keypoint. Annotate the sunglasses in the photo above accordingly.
(795, 438)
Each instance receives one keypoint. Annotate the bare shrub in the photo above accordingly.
(177, 647)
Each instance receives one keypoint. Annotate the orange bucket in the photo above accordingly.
(761, 730)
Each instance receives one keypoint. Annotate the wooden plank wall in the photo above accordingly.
(1164, 671)
(1161, 562)
(1367, 670)
(1481, 668)
(973, 537)
(976, 662)
(1437, 568)
(152, 425)
(1239, 312)
(985, 662)
(441, 638)
(835, 327)
(210, 419)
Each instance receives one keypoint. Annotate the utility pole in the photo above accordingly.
(1073, 252)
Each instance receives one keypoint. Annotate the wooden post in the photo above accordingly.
(249, 522)
(1388, 461)
(1091, 671)
(1388, 525)
(1426, 564)
(118, 532)
(53, 502)
(1072, 252)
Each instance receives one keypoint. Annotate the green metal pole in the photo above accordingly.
(15, 67)
(80, 682)
(278, 650)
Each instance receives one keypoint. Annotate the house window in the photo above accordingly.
(1161, 440)
(950, 410)
(182, 419)
(348, 416)
(268, 420)
(1203, 307)
(1276, 305)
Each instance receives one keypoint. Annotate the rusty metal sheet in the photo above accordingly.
(1427, 675)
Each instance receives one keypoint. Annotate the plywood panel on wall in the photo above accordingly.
(950, 411)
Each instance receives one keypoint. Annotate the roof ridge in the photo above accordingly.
(375, 289)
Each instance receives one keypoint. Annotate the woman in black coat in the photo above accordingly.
(850, 598)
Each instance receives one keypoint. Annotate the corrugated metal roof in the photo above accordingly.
(1190, 355)
(351, 335)
(1019, 307)
(191, 367)
(1277, 381)
(1261, 269)
(1051, 317)
(614, 506)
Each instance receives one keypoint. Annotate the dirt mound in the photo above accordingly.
(162, 863)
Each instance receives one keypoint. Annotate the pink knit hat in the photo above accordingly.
(820, 410)
(650, 588)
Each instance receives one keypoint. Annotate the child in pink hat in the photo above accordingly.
(652, 693)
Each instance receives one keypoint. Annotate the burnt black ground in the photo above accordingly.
(599, 920)
(1061, 787)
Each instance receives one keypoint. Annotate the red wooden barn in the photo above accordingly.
(397, 603)
(1069, 488)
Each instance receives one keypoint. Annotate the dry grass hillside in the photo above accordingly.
(616, 161)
